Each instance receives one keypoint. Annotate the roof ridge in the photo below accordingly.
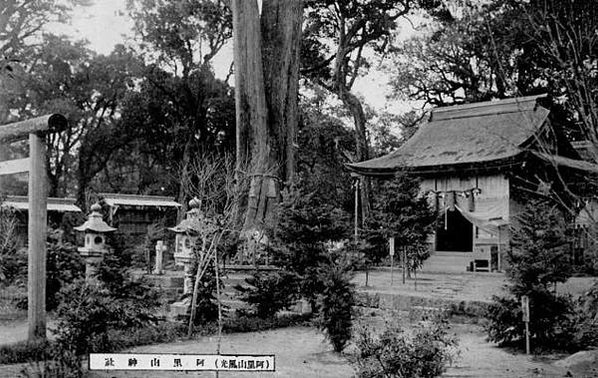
(16, 198)
(136, 196)
(484, 104)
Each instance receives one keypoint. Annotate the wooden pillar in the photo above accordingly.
(36, 273)
(35, 129)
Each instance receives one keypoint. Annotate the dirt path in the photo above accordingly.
(300, 352)
(482, 359)
(303, 352)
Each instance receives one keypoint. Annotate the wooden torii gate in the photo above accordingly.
(35, 164)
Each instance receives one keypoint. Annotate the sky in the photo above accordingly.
(105, 23)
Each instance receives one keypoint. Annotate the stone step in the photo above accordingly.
(447, 262)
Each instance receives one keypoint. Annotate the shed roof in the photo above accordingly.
(62, 205)
(483, 132)
(133, 200)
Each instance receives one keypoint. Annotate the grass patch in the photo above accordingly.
(24, 351)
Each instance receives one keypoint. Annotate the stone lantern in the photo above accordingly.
(187, 233)
(94, 248)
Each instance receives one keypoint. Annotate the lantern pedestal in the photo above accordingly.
(187, 262)
(182, 307)
(92, 262)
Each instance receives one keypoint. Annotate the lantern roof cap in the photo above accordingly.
(192, 221)
(95, 222)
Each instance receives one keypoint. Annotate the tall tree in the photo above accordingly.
(179, 40)
(168, 133)
(22, 23)
(339, 36)
(266, 58)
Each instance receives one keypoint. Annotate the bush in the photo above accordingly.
(335, 304)
(398, 211)
(10, 261)
(550, 321)
(584, 320)
(13, 266)
(89, 314)
(62, 363)
(539, 256)
(24, 351)
(207, 305)
(537, 261)
(269, 292)
(64, 265)
(425, 352)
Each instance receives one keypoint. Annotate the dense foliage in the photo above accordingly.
(424, 352)
(305, 231)
(336, 302)
(269, 292)
(64, 265)
(398, 212)
(90, 313)
(538, 259)
(539, 256)
(11, 260)
(207, 305)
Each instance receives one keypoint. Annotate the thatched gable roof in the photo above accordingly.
(483, 133)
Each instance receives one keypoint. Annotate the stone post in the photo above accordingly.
(160, 249)
(188, 282)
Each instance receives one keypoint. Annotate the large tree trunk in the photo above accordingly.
(281, 37)
(254, 139)
(266, 113)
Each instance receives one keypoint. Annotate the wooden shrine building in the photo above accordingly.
(57, 209)
(477, 164)
(132, 214)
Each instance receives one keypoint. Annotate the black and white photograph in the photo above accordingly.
(298, 188)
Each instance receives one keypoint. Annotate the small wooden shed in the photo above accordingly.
(57, 208)
(132, 213)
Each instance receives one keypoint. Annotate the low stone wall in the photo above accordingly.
(401, 302)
